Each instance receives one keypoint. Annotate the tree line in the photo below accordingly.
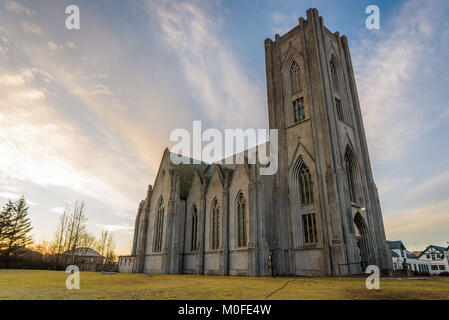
(17, 245)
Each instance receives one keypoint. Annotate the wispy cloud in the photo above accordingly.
(426, 223)
(31, 27)
(283, 22)
(18, 8)
(116, 227)
(390, 73)
(218, 81)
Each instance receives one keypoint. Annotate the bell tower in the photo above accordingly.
(327, 215)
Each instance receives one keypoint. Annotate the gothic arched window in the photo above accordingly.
(334, 78)
(351, 174)
(306, 185)
(295, 77)
(215, 225)
(159, 226)
(194, 242)
(241, 221)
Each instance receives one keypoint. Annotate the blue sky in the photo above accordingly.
(85, 114)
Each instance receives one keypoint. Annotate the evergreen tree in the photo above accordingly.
(15, 227)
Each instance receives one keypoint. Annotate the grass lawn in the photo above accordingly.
(38, 284)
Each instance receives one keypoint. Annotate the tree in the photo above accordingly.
(106, 246)
(15, 227)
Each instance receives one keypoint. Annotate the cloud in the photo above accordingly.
(391, 70)
(18, 8)
(16, 79)
(10, 195)
(15, 196)
(116, 227)
(54, 46)
(427, 224)
(58, 210)
(282, 23)
(217, 80)
(31, 27)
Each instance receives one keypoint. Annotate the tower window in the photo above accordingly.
(194, 242)
(298, 109)
(339, 109)
(215, 225)
(241, 217)
(295, 77)
(351, 174)
(306, 185)
(159, 226)
(334, 78)
(310, 228)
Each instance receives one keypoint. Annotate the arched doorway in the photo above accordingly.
(361, 234)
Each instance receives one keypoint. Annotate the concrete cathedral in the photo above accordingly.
(318, 215)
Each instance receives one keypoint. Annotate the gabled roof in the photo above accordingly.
(396, 244)
(83, 252)
(439, 248)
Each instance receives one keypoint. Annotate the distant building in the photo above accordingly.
(434, 259)
(84, 258)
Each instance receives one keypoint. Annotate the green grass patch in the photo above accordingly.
(39, 284)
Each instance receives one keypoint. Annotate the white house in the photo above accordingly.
(401, 257)
(434, 259)
(437, 259)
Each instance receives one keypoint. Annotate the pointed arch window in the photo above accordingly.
(306, 185)
(215, 225)
(295, 77)
(334, 78)
(351, 174)
(159, 226)
(194, 240)
(241, 221)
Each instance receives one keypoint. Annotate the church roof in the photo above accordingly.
(185, 172)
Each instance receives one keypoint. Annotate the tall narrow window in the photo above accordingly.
(215, 225)
(334, 78)
(306, 185)
(339, 109)
(310, 228)
(194, 242)
(159, 226)
(241, 221)
(350, 164)
(298, 109)
(295, 77)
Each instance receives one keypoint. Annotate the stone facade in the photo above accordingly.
(319, 214)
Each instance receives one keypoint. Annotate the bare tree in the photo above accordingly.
(106, 246)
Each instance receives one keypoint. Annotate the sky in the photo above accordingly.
(86, 114)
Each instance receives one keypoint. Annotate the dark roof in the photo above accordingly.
(442, 249)
(84, 252)
(394, 254)
(396, 244)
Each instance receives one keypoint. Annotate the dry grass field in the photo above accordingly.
(38, 284)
